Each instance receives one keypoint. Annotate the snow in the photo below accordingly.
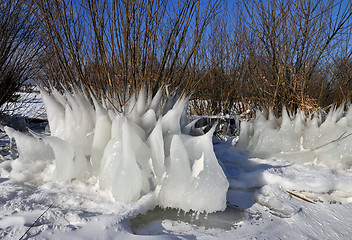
(270, 195)
(29, 104)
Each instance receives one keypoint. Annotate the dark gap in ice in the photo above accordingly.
(151, 222)
(3, 180)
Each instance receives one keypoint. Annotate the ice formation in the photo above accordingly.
(300, 138)
(144, 147)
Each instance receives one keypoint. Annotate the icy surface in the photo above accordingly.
(131, 153)
(36, 160)
(268, 197)
(259, 206)
(320, 139)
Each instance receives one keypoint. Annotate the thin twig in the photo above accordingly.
(36, 221)
(302, 198)
(335, 140)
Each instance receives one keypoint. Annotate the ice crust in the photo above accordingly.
(301, 138)
(142, 148)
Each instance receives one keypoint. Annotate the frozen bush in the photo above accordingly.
(300, 138)
(144, 147)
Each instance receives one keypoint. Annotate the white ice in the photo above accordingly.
(36, 157)
(259, 205)
(146, 148)
(301, 138)
(262, 170)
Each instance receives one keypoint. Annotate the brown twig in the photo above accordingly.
(302, 198)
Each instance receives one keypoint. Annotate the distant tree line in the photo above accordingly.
(282, 52)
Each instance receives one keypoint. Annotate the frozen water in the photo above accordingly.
(278, 200)
(201, 173)
(301, 138)
(102, 135)
(146, 148)
(56, 114)
(156, 143)
(260, 201)
(34, 157)
(175, 188)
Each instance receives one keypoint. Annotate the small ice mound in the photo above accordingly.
(140, 148)
(280, 202)
(35, 157)
(193, 170)
(301, 138)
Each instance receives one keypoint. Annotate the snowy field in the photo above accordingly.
(29, 104)
(300, 192)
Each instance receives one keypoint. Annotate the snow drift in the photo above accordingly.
(143, 147)
(301, 138)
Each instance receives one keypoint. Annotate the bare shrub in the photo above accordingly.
(261, 53)
(279, 52)
(107, 47)
(18, 48)
(289, 47)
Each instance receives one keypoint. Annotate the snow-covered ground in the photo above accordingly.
(268, 198)
(29, 104)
